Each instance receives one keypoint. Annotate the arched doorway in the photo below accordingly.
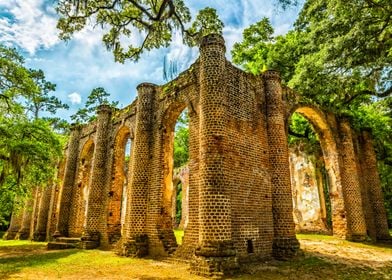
(176, 156)
(81, 193)
(327, 189)
(117, 193)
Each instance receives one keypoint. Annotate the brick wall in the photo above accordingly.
(239, 194)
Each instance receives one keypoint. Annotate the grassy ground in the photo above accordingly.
(321, 258)
(179, 234)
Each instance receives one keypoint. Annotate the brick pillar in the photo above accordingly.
(68, 182)
(351, 184)
(15, 224)
(373, 183)
(215, 254)
(285, 244)
(24, 231)
(34, 215)
(42, 221)
(54, 201)
(135, 242)
(95, 233)
(367, 208)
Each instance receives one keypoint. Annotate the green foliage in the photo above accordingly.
(178, 203)
(29, 152)
(39, 100)
(15, 80)
(378, 117)
(179, 234)
(252, 53)
(301, 132)
(153, 21)
(98, 96)
(29, 149)
(181, 140)
(207, 22)
(339, 57)
(351, 36)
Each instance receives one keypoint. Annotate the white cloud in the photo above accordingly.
(28, 25)
(75, 98)
(83, 63)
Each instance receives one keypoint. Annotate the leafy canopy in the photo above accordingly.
(339, 57)
(153, 21)
(29, 149)
(98, 96)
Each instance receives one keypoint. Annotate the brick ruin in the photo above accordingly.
(239, 194)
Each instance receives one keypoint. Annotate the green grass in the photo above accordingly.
(179, 233)
(315, 236)
(30, 260)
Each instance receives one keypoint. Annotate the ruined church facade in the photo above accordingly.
(239, 196)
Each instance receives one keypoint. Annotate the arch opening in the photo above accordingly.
(176, 177)
(80, 197)
(314, 170)
(117, 194)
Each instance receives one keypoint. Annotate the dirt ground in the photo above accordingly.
(320, 258)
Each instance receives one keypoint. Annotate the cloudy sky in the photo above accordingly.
(81, 64)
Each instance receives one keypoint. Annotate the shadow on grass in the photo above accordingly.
(14, 264)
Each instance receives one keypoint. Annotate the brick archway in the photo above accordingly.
(165, 224)
(81, 193)
(240, 200)
(115, 215)
(328, 143)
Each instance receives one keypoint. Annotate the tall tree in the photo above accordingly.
(39, 100)
(352, 36)
(98, 96)
(14, 79)
(29, 149)
(338, 57)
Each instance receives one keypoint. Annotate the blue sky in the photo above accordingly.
(83, 63)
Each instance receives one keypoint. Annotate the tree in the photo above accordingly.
(181, 141)
(39, 99)
(29, 149)
(352, 36)
(154, 21)
(98, 96)
(303, 68)
(14, 79)
(339, 58)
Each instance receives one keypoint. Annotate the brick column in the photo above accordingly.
(40, 232)
(362, 169)
(285, 244)
(34, 215)
(373, 183)
(15, 224)
(95, 233)
(215, 254)
(68, 182)
(351, 184)
(135, 242)
(24, 231)
(54, 199)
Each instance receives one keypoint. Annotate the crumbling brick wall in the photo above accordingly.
(240, 198)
